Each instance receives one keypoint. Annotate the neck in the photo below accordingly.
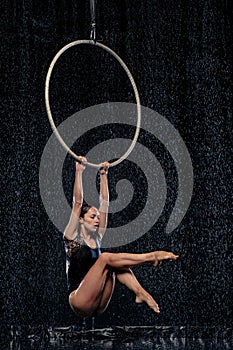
(88, 238)
(86, 235)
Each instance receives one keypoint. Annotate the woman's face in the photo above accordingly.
(91, 219)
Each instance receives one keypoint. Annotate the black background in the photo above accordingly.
(179, 54)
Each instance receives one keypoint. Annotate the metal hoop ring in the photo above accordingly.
(57, 134)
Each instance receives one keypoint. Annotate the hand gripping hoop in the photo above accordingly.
(57, 134)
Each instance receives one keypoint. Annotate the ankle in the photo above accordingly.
(150, 257)
(140, 293)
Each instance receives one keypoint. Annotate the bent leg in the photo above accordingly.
(94, 293)
(107, 293)
(130, 281)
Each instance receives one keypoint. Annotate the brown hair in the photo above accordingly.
(84, 210)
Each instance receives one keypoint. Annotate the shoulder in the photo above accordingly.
(71, 244)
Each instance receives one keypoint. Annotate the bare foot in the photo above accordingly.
(161, 255)
(147, 298)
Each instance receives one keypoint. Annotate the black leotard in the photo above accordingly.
(80, 258)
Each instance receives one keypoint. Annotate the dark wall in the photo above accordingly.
(179, 54)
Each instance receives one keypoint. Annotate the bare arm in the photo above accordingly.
(71, 229)
(104, 199)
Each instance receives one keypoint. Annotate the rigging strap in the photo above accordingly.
(93, 19)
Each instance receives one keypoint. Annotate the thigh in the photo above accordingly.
(86, 299)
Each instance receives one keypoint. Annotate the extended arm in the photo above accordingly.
(104, 198)
(71, 229)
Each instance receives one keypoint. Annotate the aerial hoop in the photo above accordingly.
(57, 134)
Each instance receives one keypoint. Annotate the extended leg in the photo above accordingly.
(127, 260)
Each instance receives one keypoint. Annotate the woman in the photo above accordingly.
(91, 275)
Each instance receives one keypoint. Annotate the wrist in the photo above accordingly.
(79, 170)
(103, 171)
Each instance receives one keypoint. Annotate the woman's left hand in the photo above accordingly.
(104, 168)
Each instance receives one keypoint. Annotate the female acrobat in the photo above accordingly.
(91, 274)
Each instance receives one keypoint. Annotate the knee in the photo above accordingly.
(105, 257)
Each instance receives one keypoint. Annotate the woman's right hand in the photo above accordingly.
(81, 166)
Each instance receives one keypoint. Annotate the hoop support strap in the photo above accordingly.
(93, 19)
